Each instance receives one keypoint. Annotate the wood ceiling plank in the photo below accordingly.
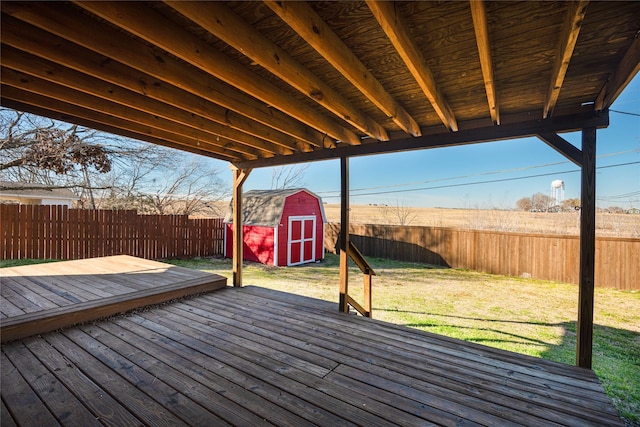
(306, 22)
(222, 22)
(564, 52)
(621, 77)
(479, 13)
(72, 110)
(90, 124)
(71, 27)
(395, 28)
(49, 71)
(163, 33)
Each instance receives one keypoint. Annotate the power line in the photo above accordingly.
(625, 112)
(472, 175)
(491, 181)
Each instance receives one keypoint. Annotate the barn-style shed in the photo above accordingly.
(280, 227)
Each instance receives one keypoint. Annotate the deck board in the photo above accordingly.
(252, 356)
(45, 297)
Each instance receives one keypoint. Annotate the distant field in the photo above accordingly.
(612, 225)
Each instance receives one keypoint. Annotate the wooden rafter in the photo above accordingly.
(55, 106)
(88, 63)
(395, 28)
(154, 28)
(222, 22)
(56, 115)
(479, 13)
(71, 28)
(101, 106)
(568, 38)
(72, 79)
(620, 78)
(306, 22)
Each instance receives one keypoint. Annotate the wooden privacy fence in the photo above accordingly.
(547, 257)
(56, 232)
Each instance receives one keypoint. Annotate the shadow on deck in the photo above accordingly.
(252, 356)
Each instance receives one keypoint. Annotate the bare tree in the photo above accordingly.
(193, 189)
(283, 177)
(106, 171)
(400, 213)
(38, 150)
(524, 204)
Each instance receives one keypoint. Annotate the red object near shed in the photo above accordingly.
(280, 227)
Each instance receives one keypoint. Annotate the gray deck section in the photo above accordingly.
(45, 297)
(252, 356)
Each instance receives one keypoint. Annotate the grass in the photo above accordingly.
(527, 316)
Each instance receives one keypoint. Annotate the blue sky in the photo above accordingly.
(412, 178)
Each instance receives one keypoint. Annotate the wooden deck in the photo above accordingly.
(251, 356)
(44, 297)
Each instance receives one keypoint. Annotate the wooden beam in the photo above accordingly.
(73, 80)
(308, 24)
(462, 137)
(621, 77)
(584, 343)
(239, 177)
(71, 111)
(395, 28)
(222, 22)
(57, 115)
(70, 27)
(563, 147)
(344, 235)
(153, 27)
(566, 44)
(481, 28)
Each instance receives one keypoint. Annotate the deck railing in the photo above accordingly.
(368, 272)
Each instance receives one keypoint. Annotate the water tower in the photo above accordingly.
(557, 192)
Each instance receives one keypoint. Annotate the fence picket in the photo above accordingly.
(57, 232)
(547, 257)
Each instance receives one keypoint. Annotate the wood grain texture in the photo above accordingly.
(54, 296)
(231, 358)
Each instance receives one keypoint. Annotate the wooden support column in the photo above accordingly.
(587, 249)
(239, 177)
(344, 234)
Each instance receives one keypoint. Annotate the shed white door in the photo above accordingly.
(302, 240)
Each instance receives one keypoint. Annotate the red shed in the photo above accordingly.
(281, 227)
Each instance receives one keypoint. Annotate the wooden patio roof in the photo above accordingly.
(260, 84)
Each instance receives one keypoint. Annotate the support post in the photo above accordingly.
(587, 250)
(239, 177)
(344, 234)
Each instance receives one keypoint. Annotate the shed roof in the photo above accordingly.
(265, 207)
(35, 191)
(266, 83)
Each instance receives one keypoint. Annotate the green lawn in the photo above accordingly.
(522, 315)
